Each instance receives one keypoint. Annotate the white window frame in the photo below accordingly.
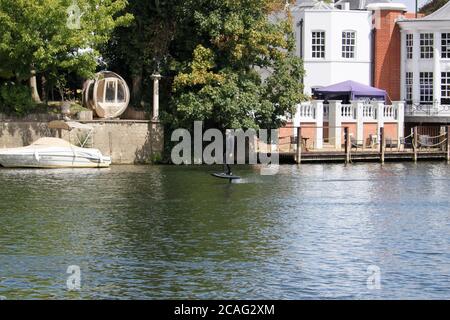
(445, 85)
(409, 86)
(426, 87)
(348, 44)
(318, 44)
(409, 45)
(445, 45)
(426, 45)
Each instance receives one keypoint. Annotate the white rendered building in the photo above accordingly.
(335, 43)
(425, 63)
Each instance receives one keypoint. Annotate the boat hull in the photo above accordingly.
(29, 157)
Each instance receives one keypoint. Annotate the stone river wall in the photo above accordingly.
(126, 141)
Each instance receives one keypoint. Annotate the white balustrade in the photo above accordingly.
(338, 115)
(347, 112)
(428, 110)
(389, 112)
(369, 112)
(306, 112)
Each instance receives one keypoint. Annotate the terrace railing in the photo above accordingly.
(389, 112)
(348, 112)
(307, 112)
(369, 112)
(424, 110)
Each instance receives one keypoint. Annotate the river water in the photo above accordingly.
(328, 231)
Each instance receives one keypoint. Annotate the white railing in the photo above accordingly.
(306, 112)
(389, 112)
(347, 112)
(369, 112)
(424, 110)
(337, 116)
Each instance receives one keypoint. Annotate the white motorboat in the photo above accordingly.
(53, 153)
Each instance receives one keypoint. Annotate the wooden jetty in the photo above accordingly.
(412, 150)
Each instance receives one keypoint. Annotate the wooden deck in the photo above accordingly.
(361, 156)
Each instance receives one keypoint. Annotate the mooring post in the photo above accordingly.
(348, 146)
(382, 144)
(299, 145)
(448, 143)
(442, 135)
(415, 142)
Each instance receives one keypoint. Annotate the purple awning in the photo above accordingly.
(354, 90)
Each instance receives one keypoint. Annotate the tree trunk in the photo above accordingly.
(136, 90)
(34, 89)
(44, 88)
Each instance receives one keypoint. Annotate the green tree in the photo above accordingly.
(229, 63)
(432, 6)
(44, 37)
(235, 65)
(137, 49)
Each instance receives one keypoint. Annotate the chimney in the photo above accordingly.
(387, 47)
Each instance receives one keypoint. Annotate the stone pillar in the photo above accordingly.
(296, 120)
(318, 107)
(156, 77)
(437, 69)
(403, 66)
(400, 107)
(335, 122)
(416, 70)
(379, 106)
(358, 106)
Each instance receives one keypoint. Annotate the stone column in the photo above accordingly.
(156, 77)
(318, 107)
(416, 70)
(296, 120)
(400, 107)
(437, 69)
(403, 59)
(335, 123)
(359, 106)
(379, 105)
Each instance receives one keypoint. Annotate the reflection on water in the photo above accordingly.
(176, 232)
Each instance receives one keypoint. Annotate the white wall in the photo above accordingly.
(334, 68)
(416, 65)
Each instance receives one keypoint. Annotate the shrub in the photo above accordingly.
(15, 99)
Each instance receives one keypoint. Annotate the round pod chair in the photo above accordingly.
(108, 95)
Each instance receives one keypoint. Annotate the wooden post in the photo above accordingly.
(299, 145)
(442, 134)
(448, 143)
(415, 143)
(382, 144)
(348, 146)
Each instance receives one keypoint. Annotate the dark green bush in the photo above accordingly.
(15, 99)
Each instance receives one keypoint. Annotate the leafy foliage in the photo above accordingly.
(137, 49)
(15, 99)
(234, 64)
(35, 36)
(432, 6)
(229, 63)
